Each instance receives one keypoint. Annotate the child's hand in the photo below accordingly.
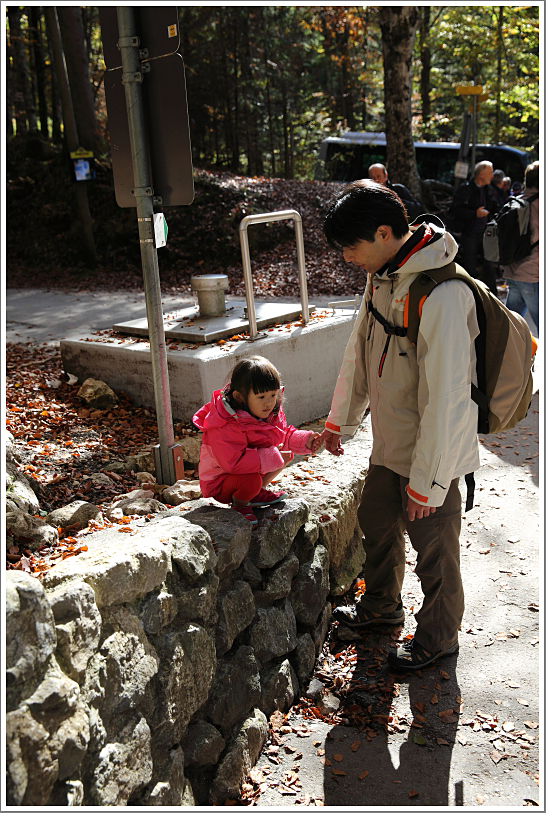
(286, 456)
(314, 442)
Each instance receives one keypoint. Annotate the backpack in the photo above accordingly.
(507, 237)
(505, 352)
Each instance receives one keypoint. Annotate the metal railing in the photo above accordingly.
(286, 214)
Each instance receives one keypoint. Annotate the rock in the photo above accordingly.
(124, 764)
(198, 602)
(141, 506)
(31, 769)
(241, 757)
(78, 626)
(273, 631)
(306, 539)
(77, 511)
(202, 744)
(97, 394)
(188, 799)
(191, 448)
(273, 536)
(342, 576)
(188, 665)
(279, 687)
(66, 794)
(181, 491)
(236, 689)
(230, 531)
(192, 550)
(32, 531)
(142, 461)
(119, 673)
(30, 637)
(315, 688)
(101, 479)
(304, 657)
(327, 702)
(235, 613)
(19, 491)
(170, 792)
(311, 587)
(116, 466)
(278, 582)
(320, 630)
(145, 477)
(250, 573)
(119, 567)
(157, 611)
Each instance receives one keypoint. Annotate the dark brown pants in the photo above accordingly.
(383, 518)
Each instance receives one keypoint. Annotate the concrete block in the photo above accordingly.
(308, 358)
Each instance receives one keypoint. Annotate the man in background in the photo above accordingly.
(473, 205)
(379, 174)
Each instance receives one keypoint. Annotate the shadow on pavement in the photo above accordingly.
(406, 760)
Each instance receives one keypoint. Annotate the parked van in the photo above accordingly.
(347, 158)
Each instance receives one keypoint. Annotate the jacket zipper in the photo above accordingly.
(384, 354)
(434, 483)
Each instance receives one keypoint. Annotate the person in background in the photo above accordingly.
(473, 204)
(516, 188)
(523, 276)
(506, 185)
(497, 187)
(379, 174)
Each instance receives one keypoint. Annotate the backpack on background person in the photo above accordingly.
(507, 236)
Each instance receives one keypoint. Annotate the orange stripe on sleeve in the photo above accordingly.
(418, 497)
(332, 427)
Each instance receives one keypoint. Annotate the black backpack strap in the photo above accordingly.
(387, 327)
(470, 488)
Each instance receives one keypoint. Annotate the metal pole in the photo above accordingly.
(143, 192)
(474, 114)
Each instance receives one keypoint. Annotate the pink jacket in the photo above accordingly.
(235, 442)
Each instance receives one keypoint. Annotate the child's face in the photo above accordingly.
(262, 404)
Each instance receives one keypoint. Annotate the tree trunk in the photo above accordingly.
(346, 84)
(254, 153)
(425, 68)
(71, 133)
(39, 65)
(398, 26)
(56, 107)
(499, 75)
(77, 64)
(23, 100)
(235, 154)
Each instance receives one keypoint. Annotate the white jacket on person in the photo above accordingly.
(424, 423)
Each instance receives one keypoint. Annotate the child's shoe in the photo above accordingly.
(246, 512)
(264, 498)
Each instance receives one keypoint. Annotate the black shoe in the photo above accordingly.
(357, 617)
(411, 656)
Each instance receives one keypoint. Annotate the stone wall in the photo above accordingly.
(144, 671)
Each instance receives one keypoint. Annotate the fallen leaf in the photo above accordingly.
(445, 675)
(355, 746)
(338, 757)
(522, 702)
(413, 793)
(417, 739)
(461, 738)
(337, 772)
(530, 724)
(480, 800)
(422, 707)
(496, 757)
(363, 775)
(441, 741)
(434, 698)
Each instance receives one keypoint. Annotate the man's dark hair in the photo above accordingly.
(531, 176)
(358, 211)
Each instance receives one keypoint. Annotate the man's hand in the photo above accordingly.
(482, 212)
(315, 442)
(418, 511)
(332, 442)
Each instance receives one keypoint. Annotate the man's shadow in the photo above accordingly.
(397, 749)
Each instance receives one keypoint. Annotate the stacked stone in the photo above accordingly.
(144, 671)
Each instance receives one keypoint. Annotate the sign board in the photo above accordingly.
(168, 133)
(160, 230)
(461, 170)
(468, 90)
(156, 26)
(83, 165)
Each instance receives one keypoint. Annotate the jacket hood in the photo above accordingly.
(430, 246)
(218, 412)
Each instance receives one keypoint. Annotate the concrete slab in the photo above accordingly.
(187, 325)
(307, 356)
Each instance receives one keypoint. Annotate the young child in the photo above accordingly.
(246, 440)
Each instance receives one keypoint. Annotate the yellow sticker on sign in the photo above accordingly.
(173, 30)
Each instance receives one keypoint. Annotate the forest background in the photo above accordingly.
(265, 85)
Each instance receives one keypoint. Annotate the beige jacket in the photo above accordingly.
(424, 422)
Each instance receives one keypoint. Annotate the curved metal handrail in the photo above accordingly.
(285, 214)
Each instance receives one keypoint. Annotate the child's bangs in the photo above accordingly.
(264, 379)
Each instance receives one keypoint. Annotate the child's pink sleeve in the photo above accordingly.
(296, 440)
(270, 459)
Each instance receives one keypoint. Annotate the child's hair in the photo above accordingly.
(254, 373)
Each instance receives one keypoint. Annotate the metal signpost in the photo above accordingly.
(474, 91)
(149, 168)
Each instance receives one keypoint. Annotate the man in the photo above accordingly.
(498, 188)
(423, 419)
(473, 204)
(379, 174)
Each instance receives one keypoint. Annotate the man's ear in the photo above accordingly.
(383, 233)
(238, 396)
